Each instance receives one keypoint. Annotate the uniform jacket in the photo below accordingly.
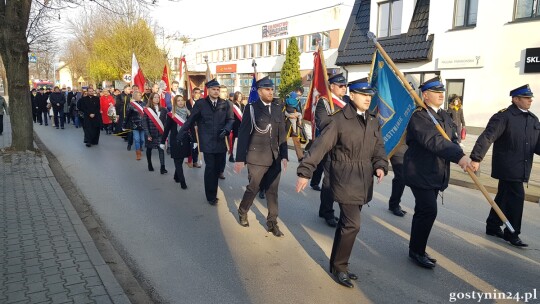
(514, 135)
(57, 98)
(133, 119)
(355, 149)
(41, 101)
(179, 149)
(257, 148)
(150, 128)
(90, 105)
(426, 164)
(210, 121)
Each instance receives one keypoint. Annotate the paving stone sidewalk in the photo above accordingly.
(46, 253)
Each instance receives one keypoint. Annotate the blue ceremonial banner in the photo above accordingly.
(392, 102)
(253, 95)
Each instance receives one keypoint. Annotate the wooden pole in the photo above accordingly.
(421, 103)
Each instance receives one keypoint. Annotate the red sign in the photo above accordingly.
(226, 68)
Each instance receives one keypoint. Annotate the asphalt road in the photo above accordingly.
(191, 252)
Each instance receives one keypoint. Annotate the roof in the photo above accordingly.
(415, 45)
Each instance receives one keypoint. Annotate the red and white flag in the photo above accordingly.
(155, 119)
(176, 118)
(318, 88)
(137, 77)
(137, 107)
(166, 94)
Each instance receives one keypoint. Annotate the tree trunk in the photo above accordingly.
(14, 51)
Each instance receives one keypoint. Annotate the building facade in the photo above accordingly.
(230, 54)
(480, 49)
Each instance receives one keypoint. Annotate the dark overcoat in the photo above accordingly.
(91, 105)
(179, 149)
(257, 148)
(426, 164)
(150, 129)
(514, 135)
(210, 121)
(355, 149)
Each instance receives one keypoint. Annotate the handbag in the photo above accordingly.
(463, 133)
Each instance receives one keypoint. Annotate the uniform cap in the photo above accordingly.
(361, 86)
(265, 83)
(434, 84)
(212, 83)
(337, 79)
(523, 91)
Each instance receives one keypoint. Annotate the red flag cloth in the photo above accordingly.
(167, 90)
(318, 88)
(137, 77)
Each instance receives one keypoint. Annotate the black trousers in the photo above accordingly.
(43, 117)
(271, 176)
(91, 135)
(58, 117)
(317, 174)
(326, 209)
(425, 213)
(398, 186)
(510, 198)
(211, 173)
(1, 124)
(222, 168)
(346, 231)
(179, 170)
(161, 155)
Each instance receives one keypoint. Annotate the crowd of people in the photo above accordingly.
(347, 148)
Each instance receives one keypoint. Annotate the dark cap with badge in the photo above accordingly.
(212, 83)
(265, 83)
(523, 91)
(337, 79)
(434, 85)
(361, 86)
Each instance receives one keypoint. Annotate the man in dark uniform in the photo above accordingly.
(323, 116)
(214, 117)
(122, 102)
(356, 153)
(90, 106)
(426, 165)
(193, 162)
(398, 185)
(262, 144)
(514, 134)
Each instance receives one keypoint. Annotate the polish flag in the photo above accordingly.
(318, 88)
(137, 76)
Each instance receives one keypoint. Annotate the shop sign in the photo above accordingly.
(275, 29)
(532, 60)
(226, 68)
(460, 62)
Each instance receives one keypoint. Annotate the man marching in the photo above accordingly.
(262, 145)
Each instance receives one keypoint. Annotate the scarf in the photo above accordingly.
(183, 113)
(456, 108)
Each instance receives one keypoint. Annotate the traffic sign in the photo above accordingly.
(81, 80)
(127, 78)
(32, 58)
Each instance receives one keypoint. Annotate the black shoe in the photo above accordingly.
(398, 211)
(175, 177)
(88, 145)
(432, 260)
(150, 167)
(261, 194)
(316, 188)
(62, 128)
(352, 276)
(213, 202)
(57, 128)
(243, 219)
(221, 176)
(183, 185)
(273, 227)
(514, 240)
(162, 170)
(343, 279)
(231, 159)
(331, 222)
(421, 260)
(129, 147)
(498, 233)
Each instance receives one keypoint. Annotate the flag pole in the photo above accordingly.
(421, 103)
(325, 74)
(199, 160)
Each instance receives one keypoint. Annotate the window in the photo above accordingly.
(267, 48)
(226, 55)
(466, 13)
(233, 53)
(220, 55)
(249, 51)
(300, 41)
(323, 38)
(241, 50)
(215, 56)
(527, 9)
(454, 87)
(389, 23)
(279, 47)
(257, 47)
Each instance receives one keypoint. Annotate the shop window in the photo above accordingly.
(527, 9)
(465, 13)
(389, 18)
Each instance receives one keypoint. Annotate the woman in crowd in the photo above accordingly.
(153, 120)
(455, 109)
(106, 101)
(237, 103)
(133, 121)
(182, 149)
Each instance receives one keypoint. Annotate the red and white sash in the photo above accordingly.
(339, 103)
(237, 112)
(176, 118)
(137, 107)
(155, 119)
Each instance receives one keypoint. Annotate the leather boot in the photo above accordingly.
(138, 154)
(162, 170)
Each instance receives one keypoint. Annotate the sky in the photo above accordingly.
(196, 18)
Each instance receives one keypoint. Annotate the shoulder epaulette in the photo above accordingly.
(503, 110)
(332, 114)
(419, 108)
